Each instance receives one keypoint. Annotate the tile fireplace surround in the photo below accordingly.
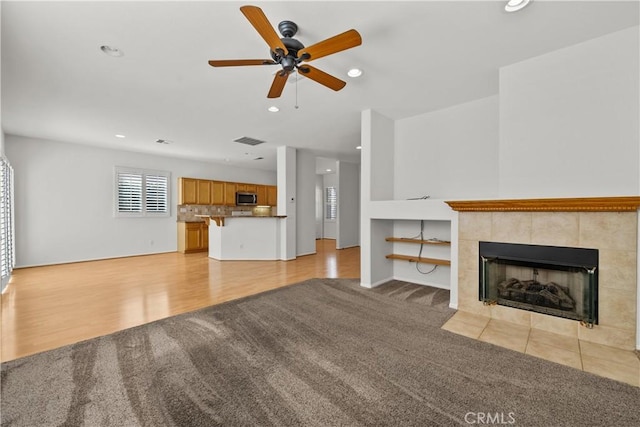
(608, 224)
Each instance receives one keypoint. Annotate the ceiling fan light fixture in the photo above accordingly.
(516, 5)
(354, 72)
(273, 109)
(111, 51)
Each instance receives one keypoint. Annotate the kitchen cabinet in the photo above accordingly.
(187, 191)
(261, 191)
(204, 192)
(230, 189)
(193, 237)
(272, 195)
(192, 191)
(248, 188)
(217, 193)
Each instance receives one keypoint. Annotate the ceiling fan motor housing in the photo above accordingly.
(293, 46)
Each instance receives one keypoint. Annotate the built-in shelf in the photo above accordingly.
(423, 260)
(426, 242)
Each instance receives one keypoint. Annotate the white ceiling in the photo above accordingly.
(417, 57)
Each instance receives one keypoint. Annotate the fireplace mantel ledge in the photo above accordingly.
(585, 204)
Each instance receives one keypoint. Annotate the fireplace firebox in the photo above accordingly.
(557, 281)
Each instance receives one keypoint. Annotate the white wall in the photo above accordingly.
(287, 199)
(306, 203)
(348, 223)
(329, 226)
(450, 153)
(64, 196)
(376, 133)
(319, 207)
(569, 121)
(378, 154)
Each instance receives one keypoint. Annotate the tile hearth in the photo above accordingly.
(610, 362)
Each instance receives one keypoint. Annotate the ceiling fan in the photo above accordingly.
(290, 54)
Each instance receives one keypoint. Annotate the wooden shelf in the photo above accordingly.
(426, 242)
(421, 259)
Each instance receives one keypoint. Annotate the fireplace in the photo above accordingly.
(552, 280)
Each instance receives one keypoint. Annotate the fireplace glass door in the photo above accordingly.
(557, 287)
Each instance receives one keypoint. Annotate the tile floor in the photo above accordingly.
(597, 359)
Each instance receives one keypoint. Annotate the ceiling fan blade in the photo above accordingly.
(321, 77)
(240, 62)
(257, 18)
(338, 43)
(278, 84)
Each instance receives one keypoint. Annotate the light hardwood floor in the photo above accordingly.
(49, 307)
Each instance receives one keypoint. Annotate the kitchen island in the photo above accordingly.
(244, 237)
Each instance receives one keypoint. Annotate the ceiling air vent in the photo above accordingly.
(249, 141)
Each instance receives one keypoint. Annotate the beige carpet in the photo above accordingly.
(323, 353)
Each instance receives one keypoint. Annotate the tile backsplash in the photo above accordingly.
(188, 212)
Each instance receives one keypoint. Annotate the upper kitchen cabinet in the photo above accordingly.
(217, 193)
(204, 192)
(187, 191)
(261, 191)
(272, 195)
(247, 188)
(230, 189)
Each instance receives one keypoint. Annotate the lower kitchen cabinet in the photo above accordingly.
(193, 237)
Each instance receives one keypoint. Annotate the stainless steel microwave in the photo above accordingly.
(246, 199)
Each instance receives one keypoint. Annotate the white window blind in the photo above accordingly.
(141, 192)
(157, 189)
(331, 203)
(7, 253)
(129, 192)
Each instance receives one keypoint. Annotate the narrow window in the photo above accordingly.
(331, 203)
(7, 253)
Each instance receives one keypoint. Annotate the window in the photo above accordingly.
(331, 203)
(7, 253)
(141, 192)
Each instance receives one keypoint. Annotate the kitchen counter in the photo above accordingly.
(244, 237)
(220, 219)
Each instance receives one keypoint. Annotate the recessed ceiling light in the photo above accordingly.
(328, 170)
(119, 136)
(111, 51)
(273, 109)
(359, 147)
(516, 5)
(354, 72)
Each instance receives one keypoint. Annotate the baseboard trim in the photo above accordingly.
(373, 285)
